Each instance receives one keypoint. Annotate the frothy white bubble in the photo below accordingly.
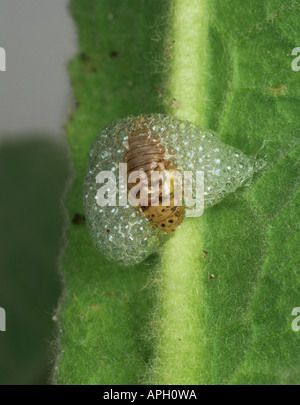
(121, 234)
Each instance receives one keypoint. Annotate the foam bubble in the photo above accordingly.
(119, 232)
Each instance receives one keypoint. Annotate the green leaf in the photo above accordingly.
(186, 316)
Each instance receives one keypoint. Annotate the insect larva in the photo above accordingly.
(144, 152)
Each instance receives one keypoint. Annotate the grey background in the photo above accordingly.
(39, 38)
(35, 95)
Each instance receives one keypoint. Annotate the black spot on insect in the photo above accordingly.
(78, 219)
(163, 225)
(171, 221)
(114, 54)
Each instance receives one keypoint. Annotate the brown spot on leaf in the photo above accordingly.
(278, 91)
(159, 91)
(169, 48)
(109, 293)
(175, 104)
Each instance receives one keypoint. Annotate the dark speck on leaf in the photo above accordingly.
(114, 54)
(84, 56)
(78, 219)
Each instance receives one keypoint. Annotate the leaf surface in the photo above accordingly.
(184, 316)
